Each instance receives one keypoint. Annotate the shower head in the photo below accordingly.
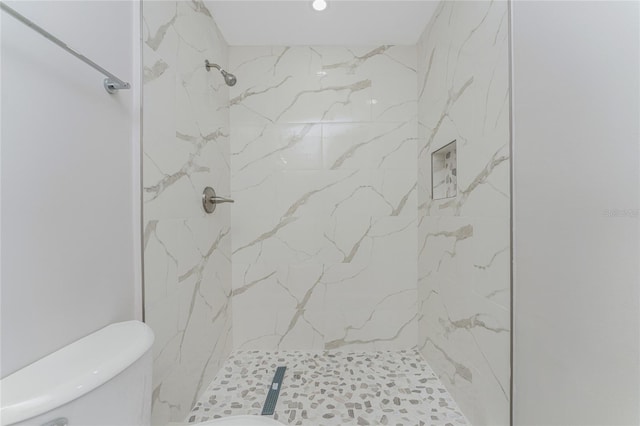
(229, 78)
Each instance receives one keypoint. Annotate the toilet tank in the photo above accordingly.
(101, 379)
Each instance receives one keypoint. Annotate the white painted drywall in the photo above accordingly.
(576, 139)
(69, 216)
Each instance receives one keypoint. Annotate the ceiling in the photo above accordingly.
(343, 22)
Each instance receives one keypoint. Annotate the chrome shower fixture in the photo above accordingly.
(229, 78)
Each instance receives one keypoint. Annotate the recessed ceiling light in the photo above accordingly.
(319, 5)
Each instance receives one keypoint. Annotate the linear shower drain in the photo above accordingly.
(269, 406)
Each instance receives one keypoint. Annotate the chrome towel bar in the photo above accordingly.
(111, 84)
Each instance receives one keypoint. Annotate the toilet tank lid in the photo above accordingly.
(72, 371)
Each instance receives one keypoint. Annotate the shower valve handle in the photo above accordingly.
(210, 200)
(219, 200)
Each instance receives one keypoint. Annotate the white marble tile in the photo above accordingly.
(323, 190)
(187, 253)
(463, 242)
(161, 265)
(372, 145)
(263, 149)
(320, 185)
(394, 86)
(159, 34)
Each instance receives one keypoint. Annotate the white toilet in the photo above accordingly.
(102, 379)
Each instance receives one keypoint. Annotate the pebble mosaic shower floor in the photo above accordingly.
(332, 388)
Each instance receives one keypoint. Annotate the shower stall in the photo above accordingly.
(334, 244)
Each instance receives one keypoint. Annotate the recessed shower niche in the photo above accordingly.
(444, 172)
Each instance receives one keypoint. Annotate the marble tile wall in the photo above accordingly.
(187, 253)
(464, 242)
(323, 163)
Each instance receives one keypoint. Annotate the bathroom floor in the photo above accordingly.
(332, 388)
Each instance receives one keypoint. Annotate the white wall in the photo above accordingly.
(324, 177)
(69, 220)
(187, 252)
(576, 141)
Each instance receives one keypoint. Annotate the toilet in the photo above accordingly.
(101, 379)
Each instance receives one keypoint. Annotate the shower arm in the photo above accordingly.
(209, 65)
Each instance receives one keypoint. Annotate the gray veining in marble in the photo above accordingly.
(187, 254)
(463, 248)
(324, 176)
